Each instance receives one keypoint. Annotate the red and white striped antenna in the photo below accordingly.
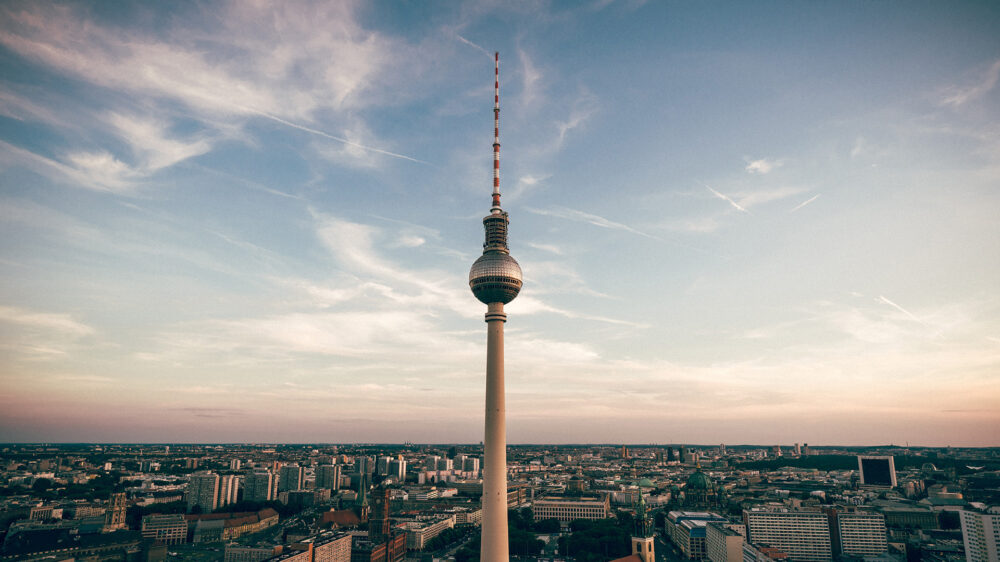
(495, 209)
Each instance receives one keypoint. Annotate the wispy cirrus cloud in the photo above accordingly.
(581, 216)
(291, 82)
(959, 96)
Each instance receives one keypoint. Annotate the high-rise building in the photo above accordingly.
(861, 533)
(291, 478)
(234, 464)
(258, 486)
(802, 534)
(328, 476)
(981, 533)
(495, 279)
(203, 491)
(724, 542)
(877, 471)
(798, 450)
(397, 469)
(229, 487)
(382, 465)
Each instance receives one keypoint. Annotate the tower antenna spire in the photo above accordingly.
(495, 209)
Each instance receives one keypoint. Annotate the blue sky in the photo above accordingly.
(738, 222)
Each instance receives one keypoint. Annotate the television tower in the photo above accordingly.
(495, 279)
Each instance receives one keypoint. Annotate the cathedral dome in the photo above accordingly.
(698, 481)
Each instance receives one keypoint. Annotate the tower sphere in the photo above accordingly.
(495, 277)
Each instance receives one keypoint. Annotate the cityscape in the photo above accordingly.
(753, 315)
(381, 502)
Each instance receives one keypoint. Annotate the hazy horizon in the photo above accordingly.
(238, 222)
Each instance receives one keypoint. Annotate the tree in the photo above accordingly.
(41, 485)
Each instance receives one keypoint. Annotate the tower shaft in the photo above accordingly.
(494, 542)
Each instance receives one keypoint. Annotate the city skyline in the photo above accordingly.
(737, 223)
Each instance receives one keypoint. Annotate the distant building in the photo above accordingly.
(328, 476)
(802, 534)
(203, 492)
(877, 471)
(981, 534)
(229, 487)
(291, 478)
(687, 530)
(258, 486)
(724, 542)
(165, 528)
(568, 509)
(418, 533)
(115, 515)
(861, 534)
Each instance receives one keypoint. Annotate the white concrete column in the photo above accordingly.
(494, 540)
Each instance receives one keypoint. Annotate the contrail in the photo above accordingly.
(473, 45)
(727, 199)
(884, 300)
(334, 137)
(804, 203)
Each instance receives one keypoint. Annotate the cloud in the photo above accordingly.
(581, 110)
(762, 166)
(960, 96)
(525, 183)
(551, 248)
(530, 77)
(319, 62)
(39, 335)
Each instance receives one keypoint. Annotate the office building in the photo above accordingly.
(981, 534)
(687, 530)
(802, 534)
(568, 509)
(328, 476)
(291, 478)
(861, 534)
(165, 528)
(723, 542)
(258, 486)
(203, 492)
(877, 471)
(229, 487)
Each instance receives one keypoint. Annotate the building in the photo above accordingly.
(258, 486)
(239, 553)
(643, 545)
(328, 476)
(723, 542)
(687, 530)
(861, 533)
(568, 509)
(762, 553)
(495, 279)
(165, 528)
(981, 534)
(418, 533)
(229, 487)
(203, 492)
(291, 478)
(802, 534)
(877, 471)
(115, 515)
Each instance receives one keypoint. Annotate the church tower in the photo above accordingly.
(642, 539)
